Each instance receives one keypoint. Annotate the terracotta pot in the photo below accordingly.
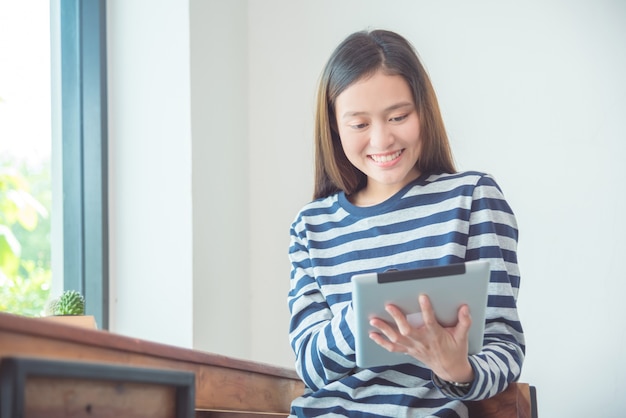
(85, 321)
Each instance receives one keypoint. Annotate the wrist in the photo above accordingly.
(458, 384)
(464, 385)
(462, 374)
(462, 377)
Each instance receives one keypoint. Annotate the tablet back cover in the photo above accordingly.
(448, 288)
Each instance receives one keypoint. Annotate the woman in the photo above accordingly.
(387, 196)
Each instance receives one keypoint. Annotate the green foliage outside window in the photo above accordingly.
(25, 263)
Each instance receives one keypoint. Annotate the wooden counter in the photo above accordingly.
(222, 383)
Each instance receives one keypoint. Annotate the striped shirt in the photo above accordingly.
(435, 220)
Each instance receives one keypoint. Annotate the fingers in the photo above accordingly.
(428, 314)
(440, 348)
(465, 322)
(385, 343)
(400, 318)
(387, 336)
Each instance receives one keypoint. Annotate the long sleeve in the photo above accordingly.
(493, 235)
(322, 341)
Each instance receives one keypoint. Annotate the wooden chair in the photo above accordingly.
(519, 400)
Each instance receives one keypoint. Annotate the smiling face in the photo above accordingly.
(380, 134)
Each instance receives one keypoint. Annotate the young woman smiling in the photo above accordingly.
(387, 196)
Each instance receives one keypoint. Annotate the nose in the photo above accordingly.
(381, 136)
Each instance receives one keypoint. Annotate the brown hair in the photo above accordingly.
(360, 55)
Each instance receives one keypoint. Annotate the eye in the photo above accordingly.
(359, 126)
(399, 118)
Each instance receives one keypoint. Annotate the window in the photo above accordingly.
(25, 151)
(80, 138)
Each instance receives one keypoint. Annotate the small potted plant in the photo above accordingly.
(69, 308)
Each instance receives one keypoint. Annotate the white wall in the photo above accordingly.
(532, 92)
(219, 113)
(150, 201)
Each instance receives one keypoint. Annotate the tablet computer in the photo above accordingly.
(448, 287)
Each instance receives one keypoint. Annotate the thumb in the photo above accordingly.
(464, 324)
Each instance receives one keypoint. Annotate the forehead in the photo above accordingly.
(373, 94)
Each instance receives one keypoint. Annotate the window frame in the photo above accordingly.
(84, 133)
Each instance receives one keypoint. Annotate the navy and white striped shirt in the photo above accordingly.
(435, 220)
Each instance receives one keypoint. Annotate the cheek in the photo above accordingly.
(344, 137)
(411, 131)
(353, 150)
(345, 145)
(351, 143)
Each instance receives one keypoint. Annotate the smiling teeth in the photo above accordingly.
(386, 158)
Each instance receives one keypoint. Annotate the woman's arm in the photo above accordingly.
(323, 342)
(493, 235)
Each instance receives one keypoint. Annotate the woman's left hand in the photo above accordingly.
(443, 349)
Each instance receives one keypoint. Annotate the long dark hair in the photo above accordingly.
(360, 55)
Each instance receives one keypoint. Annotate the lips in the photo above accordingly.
(385, 158)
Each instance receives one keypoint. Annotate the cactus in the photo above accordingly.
(51, 307)
(70, 303)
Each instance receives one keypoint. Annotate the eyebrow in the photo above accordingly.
(391, 108)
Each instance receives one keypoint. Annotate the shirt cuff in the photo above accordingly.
(450, 390)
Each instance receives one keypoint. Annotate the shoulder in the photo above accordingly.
(486, 192)
(321, 205)
(452, 184)
(475, 179)
(472, 185)
(460, 177)
(317, 211)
